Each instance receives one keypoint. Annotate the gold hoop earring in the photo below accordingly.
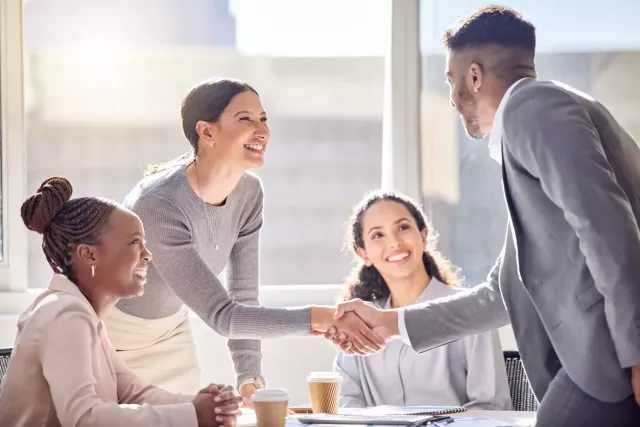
(211, 143)
(93, 270)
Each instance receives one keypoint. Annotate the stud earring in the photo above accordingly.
(211, 143)
(93, 270)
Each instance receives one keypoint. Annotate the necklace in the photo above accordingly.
(204, 205)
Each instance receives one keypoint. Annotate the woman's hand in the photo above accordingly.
(246, 392)
(381, 322)
(217, 405)
(360, 337)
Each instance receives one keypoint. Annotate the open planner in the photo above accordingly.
(383, 415)
(354, 419)
(410, 410)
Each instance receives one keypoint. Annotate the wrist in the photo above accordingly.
(250, 385)
(247, 389)
(322, 318)
(390, 322)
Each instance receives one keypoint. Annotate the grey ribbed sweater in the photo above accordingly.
(186, 263)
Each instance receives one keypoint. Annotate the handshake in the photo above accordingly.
(357, 327)
(217, 405)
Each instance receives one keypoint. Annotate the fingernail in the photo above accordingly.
(217, 399)
(219, 419)
(218, 410)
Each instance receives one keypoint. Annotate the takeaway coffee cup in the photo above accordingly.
(324, 388)
(270, 405)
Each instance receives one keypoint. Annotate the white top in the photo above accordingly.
(469, 372)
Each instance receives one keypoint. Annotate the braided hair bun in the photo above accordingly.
(39, 210)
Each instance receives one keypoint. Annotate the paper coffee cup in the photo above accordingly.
(324, 388)
(270, 405)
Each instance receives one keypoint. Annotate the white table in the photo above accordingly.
(517, 418)
(520, 419)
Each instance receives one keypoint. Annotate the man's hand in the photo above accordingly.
(635, 382)
(362, 339)
(384, 323)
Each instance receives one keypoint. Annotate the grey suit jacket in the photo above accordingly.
(569, 271)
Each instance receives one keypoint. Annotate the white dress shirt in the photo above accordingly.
(495, 138)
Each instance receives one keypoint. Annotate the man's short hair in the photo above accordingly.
(492, 26)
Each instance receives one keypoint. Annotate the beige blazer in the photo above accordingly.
(65, 372)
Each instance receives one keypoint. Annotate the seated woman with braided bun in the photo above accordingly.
(63, 370)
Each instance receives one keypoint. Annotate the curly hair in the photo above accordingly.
(366, 282)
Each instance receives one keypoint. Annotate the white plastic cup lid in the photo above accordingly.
(324, 377)
(271, 395)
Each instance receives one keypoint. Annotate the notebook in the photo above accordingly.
(387, 420)
(410, 410)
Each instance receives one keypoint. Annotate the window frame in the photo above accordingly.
(13, 269)
(401, 127)
(401, 122)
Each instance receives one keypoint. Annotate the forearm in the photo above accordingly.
(247, 360)
(322, 317)
(444, 320)
(195, 284)
(110, 414)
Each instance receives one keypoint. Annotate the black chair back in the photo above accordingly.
(5, 355)
(522, 396)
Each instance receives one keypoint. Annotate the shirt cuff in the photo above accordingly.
(402, 328)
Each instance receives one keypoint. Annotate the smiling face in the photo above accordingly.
(393, 242)
(121, 259)
(241, 135)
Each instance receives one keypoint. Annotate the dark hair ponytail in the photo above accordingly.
(205, 102)
(366, 282)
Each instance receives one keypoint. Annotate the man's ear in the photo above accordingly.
(476, 76)
(363, 255)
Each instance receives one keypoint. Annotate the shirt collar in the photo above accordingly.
(495, 137)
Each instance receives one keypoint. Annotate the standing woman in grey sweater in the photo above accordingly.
(203, 212)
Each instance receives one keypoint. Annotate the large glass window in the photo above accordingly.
(106, 81)
(460, 183)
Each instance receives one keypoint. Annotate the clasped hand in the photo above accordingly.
(360, 328)
(217, 405)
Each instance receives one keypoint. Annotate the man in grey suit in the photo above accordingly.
(568, 277)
